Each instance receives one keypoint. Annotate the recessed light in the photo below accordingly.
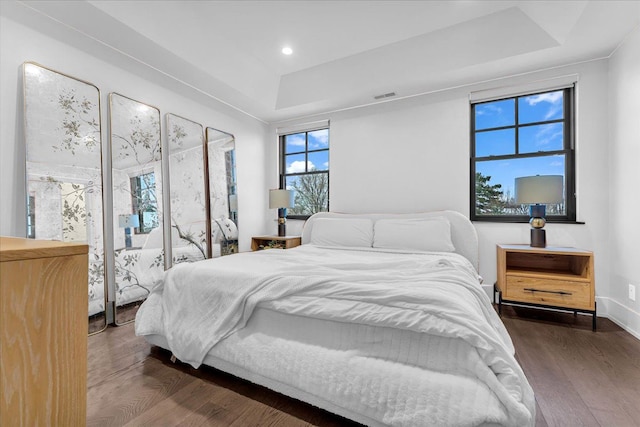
(287, 50)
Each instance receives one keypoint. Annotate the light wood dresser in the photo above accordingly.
(43, 333)
(550, 277)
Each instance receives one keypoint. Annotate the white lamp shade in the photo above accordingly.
(542, 189)
(281, 199)
(233, 202)
(128, 221)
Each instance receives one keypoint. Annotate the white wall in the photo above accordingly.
(73, 54)
(413, 155)
(400, 156)
(624, 175)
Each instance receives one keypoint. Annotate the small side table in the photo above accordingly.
(274, 242)
(551, 277)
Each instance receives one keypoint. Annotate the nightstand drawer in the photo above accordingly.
(556, 292)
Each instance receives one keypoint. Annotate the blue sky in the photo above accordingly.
(532, 139)
(318, 140)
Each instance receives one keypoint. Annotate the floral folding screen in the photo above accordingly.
(62, 119)
(188, 197)
(137, 190)
(64, 169)
(223, 196)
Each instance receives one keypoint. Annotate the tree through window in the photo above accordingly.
(145, 202)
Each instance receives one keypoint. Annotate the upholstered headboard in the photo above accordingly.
(463, 233)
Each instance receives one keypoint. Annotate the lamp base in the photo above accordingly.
(127, 237)
(282, 222)
(538, 238)
(537, 210)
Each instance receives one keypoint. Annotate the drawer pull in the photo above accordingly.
(548, 292)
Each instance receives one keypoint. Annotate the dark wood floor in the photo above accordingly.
(580, 378)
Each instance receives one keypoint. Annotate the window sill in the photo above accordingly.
(526, 221)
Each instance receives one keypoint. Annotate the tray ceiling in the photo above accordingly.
(344, 52)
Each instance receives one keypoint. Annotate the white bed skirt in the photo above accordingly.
(272, 336)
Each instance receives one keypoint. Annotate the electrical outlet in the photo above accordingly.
(632, 292)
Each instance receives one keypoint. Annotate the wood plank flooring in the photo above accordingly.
(580, 378)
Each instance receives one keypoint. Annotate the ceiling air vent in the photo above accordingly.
(386, 95)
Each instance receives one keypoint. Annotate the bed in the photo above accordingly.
(377, 318)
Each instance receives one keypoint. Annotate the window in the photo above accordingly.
(145, 202)
(521, 136)
(230, 168)
(304, 168)
(31, 216)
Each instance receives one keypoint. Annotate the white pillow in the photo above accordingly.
(431, 234)
(354, 232)
(155, 239)
(223, 229)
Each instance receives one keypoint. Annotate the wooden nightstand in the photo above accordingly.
(548, 277)
(275, 242)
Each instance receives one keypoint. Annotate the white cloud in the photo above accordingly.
(296, 140)
(298, 166)
(553, 98)
(550, 97)
(548, 134)
(319, 139)
(322, 138)
(489, 108)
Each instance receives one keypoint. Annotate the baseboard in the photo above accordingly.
(625, 317)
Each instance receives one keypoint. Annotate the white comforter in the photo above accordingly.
(198, 305)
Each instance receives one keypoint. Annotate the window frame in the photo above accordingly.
(136, 194)
(283, 162)
(568, 150)
(31, 216)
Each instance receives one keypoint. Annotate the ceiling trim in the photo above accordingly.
(115, 49)
(431, 92)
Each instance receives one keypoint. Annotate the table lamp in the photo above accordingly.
(233, 207)
(539, 191)
(233, 202)
(281, 200)
(127, 222)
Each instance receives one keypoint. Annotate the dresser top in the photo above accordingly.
(16, 248)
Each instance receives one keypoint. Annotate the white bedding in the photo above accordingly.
(399, 338)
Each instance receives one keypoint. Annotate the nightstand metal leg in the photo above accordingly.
(593, 326)
(495, 289)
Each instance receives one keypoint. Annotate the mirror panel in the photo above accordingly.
(223, 196)
(64, 170)
(137, 202)
(187, 190)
